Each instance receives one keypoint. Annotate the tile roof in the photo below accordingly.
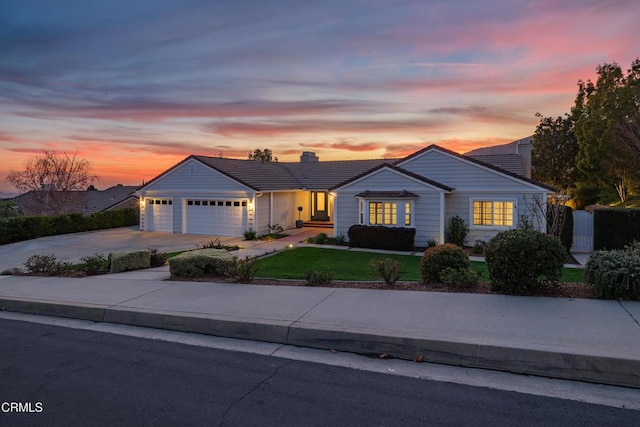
(85, 202)
(505, 156)
(257, 175)
(97, 201)
(394, 194)
(273, 176)
(316, 175)
(509, 162)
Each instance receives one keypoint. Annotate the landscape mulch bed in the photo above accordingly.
(565, 290)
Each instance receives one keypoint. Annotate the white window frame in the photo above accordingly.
(514, 210)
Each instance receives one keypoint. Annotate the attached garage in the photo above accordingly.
(159, 215)
(216, 217)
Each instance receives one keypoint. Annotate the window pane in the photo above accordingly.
(482, 213)
(407, 213)
(503, 213)
(375, 213)
(389, 211)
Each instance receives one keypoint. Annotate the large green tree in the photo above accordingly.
(600, 113)
(555, 148)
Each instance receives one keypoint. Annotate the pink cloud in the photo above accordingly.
(270, 129)
(155, 111)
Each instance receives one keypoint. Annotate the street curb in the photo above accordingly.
(231, 327)
(540, 362)
(93, 312)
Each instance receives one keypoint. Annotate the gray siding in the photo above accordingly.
(193, 180)
(461, 174)
(459, 203)
(194, 176)
(284, 209)
(263, 214)
(426, 208)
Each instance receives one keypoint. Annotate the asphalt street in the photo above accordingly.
(82, 377)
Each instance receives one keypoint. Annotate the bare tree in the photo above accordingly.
(52, 180)
(551, 212)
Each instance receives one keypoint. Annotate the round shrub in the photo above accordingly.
(439, 258)
(521, 262)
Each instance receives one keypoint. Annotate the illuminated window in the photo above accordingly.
(375, 213)
(383, 213)
(492, 213)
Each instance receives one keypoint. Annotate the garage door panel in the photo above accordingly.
(216, 217)
(160, 214)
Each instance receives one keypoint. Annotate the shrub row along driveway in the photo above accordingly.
(72, 247)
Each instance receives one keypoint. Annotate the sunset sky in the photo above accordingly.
(135, 86)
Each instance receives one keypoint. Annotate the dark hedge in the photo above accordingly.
(380, 237)
(615, 228)
(17, 229)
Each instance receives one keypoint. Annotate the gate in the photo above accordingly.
(582, 231)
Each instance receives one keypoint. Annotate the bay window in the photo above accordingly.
(388, 211)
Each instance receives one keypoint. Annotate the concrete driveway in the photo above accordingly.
(72, 247)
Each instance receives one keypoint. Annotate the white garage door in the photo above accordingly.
(217, 217)
(160, 215)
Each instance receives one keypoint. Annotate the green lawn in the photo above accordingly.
(354, 265)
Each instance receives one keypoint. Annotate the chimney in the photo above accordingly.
(309, 157)
(524, 149)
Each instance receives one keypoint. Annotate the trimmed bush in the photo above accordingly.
(521, 262)
(615, 274)
(126, 261)
(318, 277)
(93, 264)
(201, 262)
(380, 237)
(439, 258)
(615, 228)
(455, 278)
(242, 270)
(457, 231)
(387, 268)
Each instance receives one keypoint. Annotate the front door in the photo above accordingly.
(320, 206)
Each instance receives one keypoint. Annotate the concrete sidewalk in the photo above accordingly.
(586, 340)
